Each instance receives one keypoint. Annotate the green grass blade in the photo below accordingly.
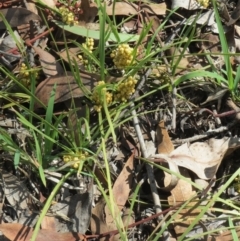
(236, 79)
(49, 116)
(199, 73)
(209, 204)
(225, 49)
(16, 159)
(102, 40)
(39, 160)
(233, 229)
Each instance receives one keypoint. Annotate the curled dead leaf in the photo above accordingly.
(203, 158)
(48, 62)
(165, 146)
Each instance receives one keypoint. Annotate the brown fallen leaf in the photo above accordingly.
(17, 16)
(18, 232)
(70, 53)
(125, 8)
(49, 3)
(101, 220)
(165, 144)
(32, 7)
(48, 223)
(50, 66)
(67, 88)
(121, 8)
(89, 11)
(122, 185)
(210, 42)
(155, 8)
(224, 236)
(203, 158)
(181, 189)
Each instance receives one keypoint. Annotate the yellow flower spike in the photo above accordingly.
(75, 165)
(125, 89)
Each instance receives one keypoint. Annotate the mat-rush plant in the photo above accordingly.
(47, 134)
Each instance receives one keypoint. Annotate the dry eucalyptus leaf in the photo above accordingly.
(17, 16)
(48, 223)
(31, 7)
(121, 8)
(67, 88)
(165, 146)
(225, 236)
(126, 8)
(50, 66)
(217, 95)
(181, 190)
(70, 53)
(102, 221)
(187, 4)
(16, 192)
(18, 232)
(155, 8)
(203, 158)
(123, 184)
(210, 42)
(89, 10)
(206, 18)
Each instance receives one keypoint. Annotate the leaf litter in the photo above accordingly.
(170, 150)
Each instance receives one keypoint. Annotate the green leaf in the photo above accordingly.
(39, 160)
(225, 50)
(233, 229)
(42, 176)
(199, 73)
(16, 160)
(236, 79)
(48, 124)
(83, 31)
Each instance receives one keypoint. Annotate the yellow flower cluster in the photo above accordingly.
(76, 158)
(24, 74)
(122, 56)
(204, 3)
(99, 93)
(89, 44)
(67, 16)
(125, 89)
